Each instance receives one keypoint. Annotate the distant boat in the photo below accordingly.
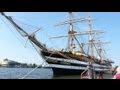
(73, 59)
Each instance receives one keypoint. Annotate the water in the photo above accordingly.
(40, 73)
(18, 73)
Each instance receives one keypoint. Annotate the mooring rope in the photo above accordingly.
(7, 25)
(39, 65)
(35, 67)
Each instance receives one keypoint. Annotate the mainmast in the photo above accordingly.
(71, 33)
(93, 44)
(90, 41)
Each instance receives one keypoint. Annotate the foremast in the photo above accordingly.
(72, 33)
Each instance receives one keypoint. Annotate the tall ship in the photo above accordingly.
(77, 57)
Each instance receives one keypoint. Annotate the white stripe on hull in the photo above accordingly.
(76, 62)
(73, 67)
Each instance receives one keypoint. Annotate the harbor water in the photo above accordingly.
(40, 73)
(19, 73)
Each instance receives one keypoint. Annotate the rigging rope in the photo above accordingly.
(12, 32)
(35, 67)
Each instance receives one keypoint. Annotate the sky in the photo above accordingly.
(14, 47)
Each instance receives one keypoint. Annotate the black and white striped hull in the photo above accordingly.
(62, 66)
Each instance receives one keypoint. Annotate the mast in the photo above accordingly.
(71, 33)
(91, 50)
(90, 41)
(101, 50)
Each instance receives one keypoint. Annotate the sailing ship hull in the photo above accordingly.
(69, 69)
(62, 71)
(64, 66)
(71, 72)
